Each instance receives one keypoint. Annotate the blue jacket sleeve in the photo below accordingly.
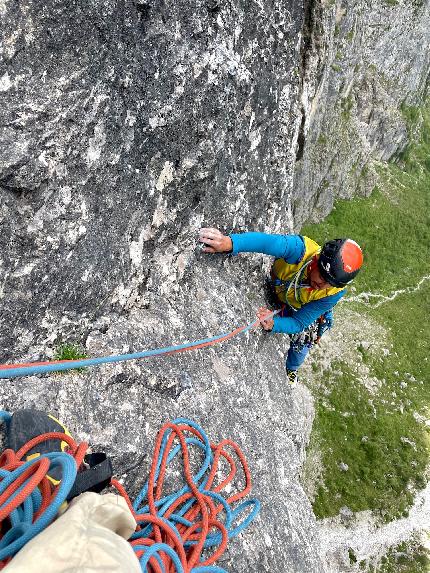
(288, 247)
(306, 315)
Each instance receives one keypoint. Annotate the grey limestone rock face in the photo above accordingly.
(125, 126)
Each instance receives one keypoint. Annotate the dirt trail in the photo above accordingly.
(365, 297)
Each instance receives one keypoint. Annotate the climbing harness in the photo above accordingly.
(34, 368)
(312, 334)
(307, 337)
(175, 531)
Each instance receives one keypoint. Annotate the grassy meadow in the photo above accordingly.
(382, 436)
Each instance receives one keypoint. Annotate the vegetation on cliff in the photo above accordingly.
(374, 440)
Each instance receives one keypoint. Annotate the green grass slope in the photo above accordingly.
(382, 436)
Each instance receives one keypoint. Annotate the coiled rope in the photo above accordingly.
(174, 529)
(33, 368)
(27, 497)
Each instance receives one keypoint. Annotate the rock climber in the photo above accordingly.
(306, 280)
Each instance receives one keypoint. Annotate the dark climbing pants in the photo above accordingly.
(295, 358)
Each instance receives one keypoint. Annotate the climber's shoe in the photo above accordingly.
(292, 377)
(24, 425)
(27, 424)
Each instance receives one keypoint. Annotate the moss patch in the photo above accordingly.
(405, 558)
(70, 351)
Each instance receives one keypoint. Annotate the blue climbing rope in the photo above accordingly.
(17, 370)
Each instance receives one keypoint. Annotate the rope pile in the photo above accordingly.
(175, 529)
(28, 501)
(185, 531)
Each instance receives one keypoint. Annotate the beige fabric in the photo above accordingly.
(90, 537)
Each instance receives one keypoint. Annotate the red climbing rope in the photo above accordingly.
(189, 522)
(205, 509)
(35, 368)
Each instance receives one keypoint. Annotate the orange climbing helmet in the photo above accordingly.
(339, 261)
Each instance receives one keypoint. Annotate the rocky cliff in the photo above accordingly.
(125, 125)
(363, 62)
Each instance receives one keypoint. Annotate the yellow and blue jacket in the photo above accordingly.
(292, 253)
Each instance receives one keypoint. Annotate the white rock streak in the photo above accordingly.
(96, 144)
(5, 83)
(166, 176)
(366, 539)
(365, 297)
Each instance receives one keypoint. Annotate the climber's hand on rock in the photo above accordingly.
(215, 241)
(266, 323)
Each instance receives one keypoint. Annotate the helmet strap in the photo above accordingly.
(313, 264)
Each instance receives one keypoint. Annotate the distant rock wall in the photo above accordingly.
(362, 61)
(124, 126)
